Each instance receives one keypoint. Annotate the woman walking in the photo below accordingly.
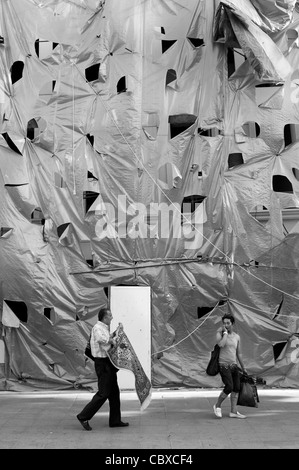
(229, 343)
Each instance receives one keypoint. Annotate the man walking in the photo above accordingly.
(101, 341)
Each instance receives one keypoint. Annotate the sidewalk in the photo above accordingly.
(175, 419)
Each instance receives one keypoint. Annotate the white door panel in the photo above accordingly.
(131, 306)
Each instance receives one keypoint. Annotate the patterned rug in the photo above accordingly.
(123, 356)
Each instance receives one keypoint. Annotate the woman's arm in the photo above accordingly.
(221, 337)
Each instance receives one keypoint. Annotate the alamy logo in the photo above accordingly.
(125, 220)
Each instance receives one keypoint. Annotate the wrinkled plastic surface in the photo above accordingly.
(99, 136)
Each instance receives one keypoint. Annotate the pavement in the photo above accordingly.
(174, 420)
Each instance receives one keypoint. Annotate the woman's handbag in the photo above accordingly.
(213, 366)
(248, 395)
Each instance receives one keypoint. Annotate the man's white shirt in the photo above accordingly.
(100, 337)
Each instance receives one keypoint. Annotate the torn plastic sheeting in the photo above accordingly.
(24, 96)
(57, 21)
(22, 198)
(243, 78)
(252, 183)
(287, 39)
(261, 348)
(275, 101)
(99, 42)
(113, 39)
(212, 186)
(8, 317)
(179, 94)
(276, 15)
(285, 371)
(24, 348)
(253, 177)
(34, 70)
(13, 167)
(247, 279)
(262, 13)
(13, 142)
(257, 273)
(266, 59)
(246, 247)
(169, 176)
(121, 110)
(168, 7)
(289, 159)
(282, 256)
(284, 165)
(197, 26)
(223, 32)
(210, 89)
(191, 26)
(261, 51)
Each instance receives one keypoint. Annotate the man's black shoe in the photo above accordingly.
(85, 424)
(121, 424)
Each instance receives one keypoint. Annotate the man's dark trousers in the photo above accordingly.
(108, 389)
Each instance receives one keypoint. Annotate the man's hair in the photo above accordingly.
(229, 317)
(102, 313)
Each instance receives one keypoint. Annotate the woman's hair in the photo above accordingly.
(102, 313)
(229, 317)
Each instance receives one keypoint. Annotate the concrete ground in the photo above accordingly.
(175, 419)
